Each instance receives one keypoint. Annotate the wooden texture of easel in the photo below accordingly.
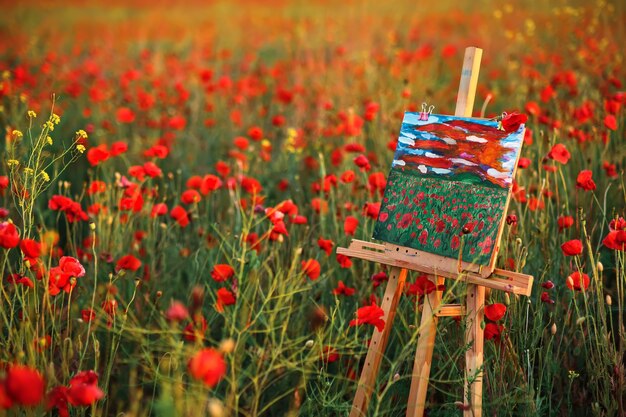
(437, 267)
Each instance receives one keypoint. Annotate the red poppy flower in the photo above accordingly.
(545, 298)
(371, 314)
(379, 278)
(585, 181)
(559, 153)
(30, 248)
(118, 148)
(493, 331)
(24, 385)
(87, 315)
(181, 216)
(224, 298)
(548, 285)
(83, 390)
(347, 177)
(190, 197)
(177, 122)
(326, 245)
(577, 281)
(311, 268)
(152, 170)
(222, 272)
(158, 209)
(512, 121)
(610, 122)
(350, 224)
(372, 210)
(495, 312)
(362, 162)
(616, 239)
(523, 163)
(125, 115)
(329, 354)
(207, 365)
(610, 169)
(177, 312)
(128, 262)
(342, 289)
(9, 238)
(565, 222)
(344, 261)
(572, 247)
(97, 154)
(422, 286)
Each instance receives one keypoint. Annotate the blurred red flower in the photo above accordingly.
(559, 153)
(207, 365)
(326, 245)
(585, 181)
(342, 289)
(83, 390)
(344, 261)
(610, 122)
(565, 222)
(181, 216)
(577, 281)
(616, 239)
(177, 311)
(572, 247)
(222, 272)
(311, 268)
(128, 262)
(224, 298)
(350, 224)
(125, 115)
(24, 385)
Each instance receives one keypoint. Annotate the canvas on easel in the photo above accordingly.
(449, 186)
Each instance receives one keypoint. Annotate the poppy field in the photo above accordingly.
(176, 178)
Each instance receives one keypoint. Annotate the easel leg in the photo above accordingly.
(424, 353)
(473, 391)
(378, 342)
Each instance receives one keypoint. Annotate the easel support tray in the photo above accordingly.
(428, 263)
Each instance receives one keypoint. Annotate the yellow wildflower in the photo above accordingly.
(80, 148)
(55, 118)
(48, 140)
(81, 134)
(13, 162)
(32, 114)
(45, 176)
(17, 134)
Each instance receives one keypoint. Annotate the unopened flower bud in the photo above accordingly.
(309, 344)
(609, 301)
(600, 266)
(553, 329)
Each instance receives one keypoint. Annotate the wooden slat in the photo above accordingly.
(475, 295)
(500, 279)
(474, 338)
(424, 353)
(450, 310)
(378, 342)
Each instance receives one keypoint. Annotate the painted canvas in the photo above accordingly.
(449, 186)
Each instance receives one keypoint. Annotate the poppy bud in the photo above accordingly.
(309, 344)
(553, 329)
(608, 300)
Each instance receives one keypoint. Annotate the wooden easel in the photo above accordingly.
(438, 267)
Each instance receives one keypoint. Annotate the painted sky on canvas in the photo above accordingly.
(458, 148)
